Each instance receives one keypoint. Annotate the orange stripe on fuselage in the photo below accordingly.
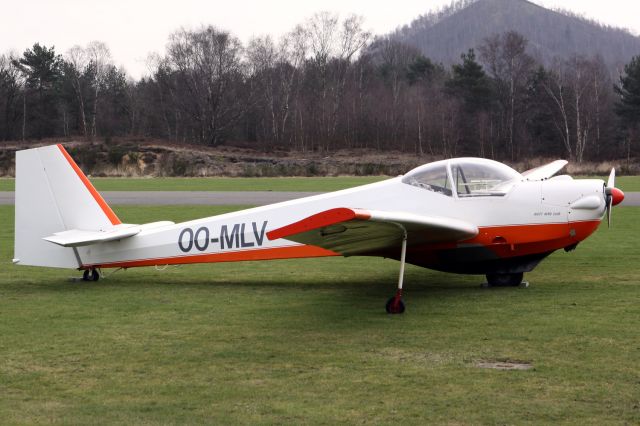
(294, 252)
(514, 240)
(96, 195)
(519, 240)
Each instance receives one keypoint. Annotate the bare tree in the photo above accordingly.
(77, 60)
(575, 89)
(208, 65)
(334, 45)
(509, 65)
(556, 86)
(263, 57)
(581, 83)
(589, 76)
(293, 50)
(100, 57)
(11, 84)
(395, 58)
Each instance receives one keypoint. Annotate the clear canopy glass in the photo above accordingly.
(432, 177)
(468, 177)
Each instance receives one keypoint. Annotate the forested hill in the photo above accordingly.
(324, 86)
(442, 35)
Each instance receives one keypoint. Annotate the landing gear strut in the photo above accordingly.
(90, 275)
(505, 280)
(395, 305)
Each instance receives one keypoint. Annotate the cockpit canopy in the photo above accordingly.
(467, 177)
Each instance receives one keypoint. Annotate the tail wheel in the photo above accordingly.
(505, 280)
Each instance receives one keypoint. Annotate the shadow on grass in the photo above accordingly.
(359, 287)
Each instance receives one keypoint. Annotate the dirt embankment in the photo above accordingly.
(158, 158)
(155, 158)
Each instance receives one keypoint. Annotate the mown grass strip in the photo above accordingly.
(307, 341)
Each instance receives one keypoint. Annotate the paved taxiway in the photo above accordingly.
(249, 198)
(222, 198)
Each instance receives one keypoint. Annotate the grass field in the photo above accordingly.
(307, 341)
(313, 184)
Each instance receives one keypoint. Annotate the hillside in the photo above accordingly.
(444, 35)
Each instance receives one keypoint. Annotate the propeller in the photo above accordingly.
(612, 195)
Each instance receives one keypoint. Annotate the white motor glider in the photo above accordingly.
(464, 215)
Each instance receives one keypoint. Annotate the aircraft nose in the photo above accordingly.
(616, 196)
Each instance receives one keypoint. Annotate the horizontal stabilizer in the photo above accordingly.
(79, 237)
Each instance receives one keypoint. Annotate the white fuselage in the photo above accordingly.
(242, 235)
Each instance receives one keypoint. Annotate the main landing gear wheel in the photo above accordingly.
(395, 305)
(90, 275)
(505, 280)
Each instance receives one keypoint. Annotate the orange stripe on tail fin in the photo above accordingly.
(96, 195)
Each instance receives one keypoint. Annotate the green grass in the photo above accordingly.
(312, 184)
(626, 183)
(307, 341)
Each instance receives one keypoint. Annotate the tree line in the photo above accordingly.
(327, 85)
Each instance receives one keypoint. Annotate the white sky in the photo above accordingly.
(134, 28)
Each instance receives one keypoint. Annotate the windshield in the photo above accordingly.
(478, 177)
(432, 177)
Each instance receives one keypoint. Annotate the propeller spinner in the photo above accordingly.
(613, 196)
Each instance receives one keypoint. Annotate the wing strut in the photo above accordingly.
(395, 305)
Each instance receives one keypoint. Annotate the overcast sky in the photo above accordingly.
(134, 28)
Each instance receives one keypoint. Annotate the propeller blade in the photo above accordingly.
(610, 191)
(611, 183)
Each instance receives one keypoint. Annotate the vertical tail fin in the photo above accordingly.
(53, 195)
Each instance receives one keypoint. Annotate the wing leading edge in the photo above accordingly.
(356, 231)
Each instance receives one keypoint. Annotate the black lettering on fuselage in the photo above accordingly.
(201, 243)
(244, 243)
(189, 242)
(232, 239)
(259, 236)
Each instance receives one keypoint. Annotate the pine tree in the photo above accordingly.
(628, 106)
(41, 68)
(470, 83)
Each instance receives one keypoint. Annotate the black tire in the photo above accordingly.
(95, 276)
(394, 308)
(505, 280)
(85, 275)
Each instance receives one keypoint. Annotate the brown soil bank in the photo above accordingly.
(157, 158)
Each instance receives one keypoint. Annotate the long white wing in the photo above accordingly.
(355, 231)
